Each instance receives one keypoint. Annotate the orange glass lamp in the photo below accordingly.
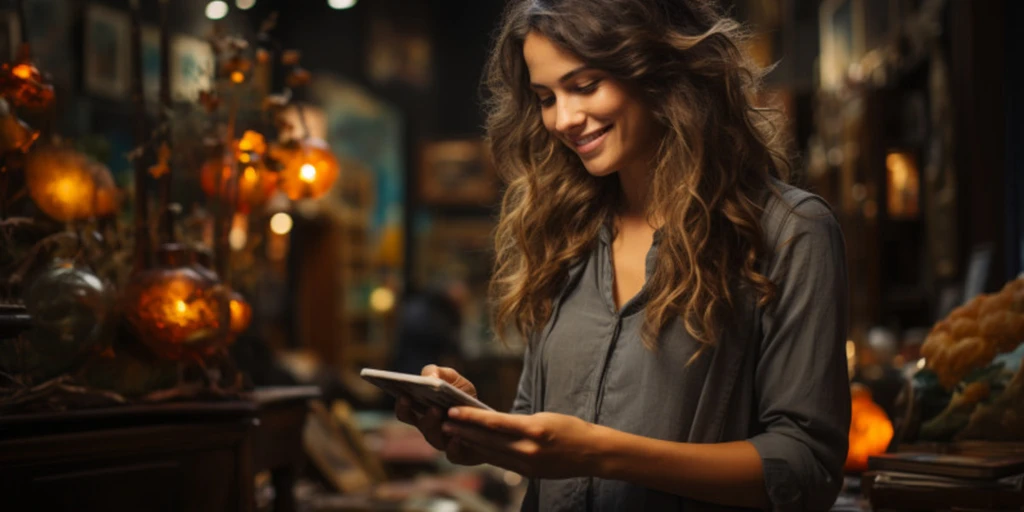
(870, 430)
(23, 84)
(175, 311)
(255, 183)
(309, 169)
(68, 185)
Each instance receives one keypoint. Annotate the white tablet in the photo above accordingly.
(423, 391)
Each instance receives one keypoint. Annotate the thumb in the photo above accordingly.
(450, 376)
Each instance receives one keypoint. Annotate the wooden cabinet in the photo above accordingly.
(138, 459)
(187, 457)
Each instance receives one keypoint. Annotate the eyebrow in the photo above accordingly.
(564, 77)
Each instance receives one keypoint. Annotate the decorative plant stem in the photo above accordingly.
(142, 237)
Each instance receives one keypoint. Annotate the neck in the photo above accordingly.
(634, 184)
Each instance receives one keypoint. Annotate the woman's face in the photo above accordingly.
(588, 110)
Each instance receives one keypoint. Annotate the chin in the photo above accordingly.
(599, 169)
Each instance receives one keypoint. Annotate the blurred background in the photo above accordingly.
(905, 115)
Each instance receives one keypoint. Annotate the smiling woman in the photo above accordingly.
(589, 110)
(668, 283)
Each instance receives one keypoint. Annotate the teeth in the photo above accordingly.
(591, 138)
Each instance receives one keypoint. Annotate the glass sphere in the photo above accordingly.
(177, 312)
(255, 182)
(70, 309)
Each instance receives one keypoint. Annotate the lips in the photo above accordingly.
(592, 141)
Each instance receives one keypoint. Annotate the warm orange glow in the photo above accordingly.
(870, 430)
(255, 184)
(309, 168)
(237, 77)
(307, 173)
(903, 185)
(67, 185)
(22, 71)
(176, 312)
(253, 142)
(241, 313)
(22, 85)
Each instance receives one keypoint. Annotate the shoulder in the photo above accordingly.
(789, 211)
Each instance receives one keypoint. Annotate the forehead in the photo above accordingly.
(546, 61)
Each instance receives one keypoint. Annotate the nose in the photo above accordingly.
(569, 117)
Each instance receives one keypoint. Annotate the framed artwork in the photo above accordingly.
(192, 67)
(457, 173)
(106, 53)
(841, 29)
(364, 129)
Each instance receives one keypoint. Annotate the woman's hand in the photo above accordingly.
(542, 445)
(429, 421)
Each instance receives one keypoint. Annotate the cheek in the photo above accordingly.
(547, 118)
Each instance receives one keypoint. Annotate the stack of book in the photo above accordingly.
(942, 481)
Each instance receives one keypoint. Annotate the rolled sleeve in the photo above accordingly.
(801, 384)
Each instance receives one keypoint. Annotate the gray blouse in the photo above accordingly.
(777, 379)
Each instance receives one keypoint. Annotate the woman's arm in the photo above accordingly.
(723, 473)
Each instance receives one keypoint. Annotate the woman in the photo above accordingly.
(684, 309)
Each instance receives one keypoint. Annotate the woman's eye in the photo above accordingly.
(588, 87)
(547, 102)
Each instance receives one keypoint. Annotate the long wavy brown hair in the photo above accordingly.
(714, 167)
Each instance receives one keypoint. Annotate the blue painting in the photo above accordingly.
(368, 130)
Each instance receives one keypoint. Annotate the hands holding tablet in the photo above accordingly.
(545, 445)
(430, 420)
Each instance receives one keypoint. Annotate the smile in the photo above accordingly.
(591, 142)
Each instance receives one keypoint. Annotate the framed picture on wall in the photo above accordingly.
(457, 173)
(192, 67)
(106, 53)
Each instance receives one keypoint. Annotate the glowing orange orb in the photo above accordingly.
(177, 312)
(68, 185)
(309, 168)
(870, 430)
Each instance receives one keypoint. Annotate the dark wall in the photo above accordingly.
(978, 68)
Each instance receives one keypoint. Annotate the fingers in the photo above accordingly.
(450, 376)
(488, 439)
(460, 453)
(479, 453)
(515, 425)
(405, 412)
(430, 426)
(428, 422)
